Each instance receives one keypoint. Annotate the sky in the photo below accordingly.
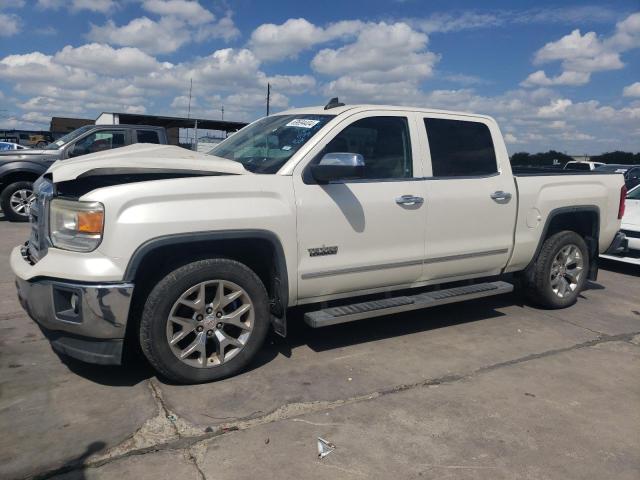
(556, 75)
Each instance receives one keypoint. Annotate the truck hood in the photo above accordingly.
(29, 155)
(141, 159)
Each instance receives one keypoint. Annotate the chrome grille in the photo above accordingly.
(38, 239)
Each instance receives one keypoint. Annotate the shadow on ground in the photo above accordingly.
(619, 267)
(136, 369)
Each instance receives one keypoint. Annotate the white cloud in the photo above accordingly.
(555, 109)
(102, 6)
(440, 22)
(385, 61)
(177, 27)
(15, 4)
(190, 11)
(278, 42)
(164, 36)
(632, 90)
(292, 84)
(100, 58)
(11, 24)
(581, 55)
(539, 78)
(453, 22)
(511, 138)
(36, 117)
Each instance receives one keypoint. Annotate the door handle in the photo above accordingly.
(501, 196)
(409, 200)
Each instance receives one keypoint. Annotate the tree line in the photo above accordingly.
(553, 158)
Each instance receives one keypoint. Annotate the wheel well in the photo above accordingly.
(259, 254)
(584, 223)
(18, 177)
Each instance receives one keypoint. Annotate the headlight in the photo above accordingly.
(76, 225)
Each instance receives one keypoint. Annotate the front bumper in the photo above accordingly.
(84, 321)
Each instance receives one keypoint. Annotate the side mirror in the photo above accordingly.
(338, 166)
(76, 150)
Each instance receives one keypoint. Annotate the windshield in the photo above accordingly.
(68, 137)
(266, 145)
(634, 194)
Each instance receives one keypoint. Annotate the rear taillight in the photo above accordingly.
(623, 196)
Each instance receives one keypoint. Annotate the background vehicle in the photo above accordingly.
(353, 211)
(11, 146)
(18, 170)
(31, 139)
(631, 229)
(631, 173)
(582, 165)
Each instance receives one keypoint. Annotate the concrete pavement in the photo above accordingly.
(486, 389)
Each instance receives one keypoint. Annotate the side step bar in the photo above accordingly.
(387, 306)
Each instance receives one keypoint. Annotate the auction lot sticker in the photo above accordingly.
(302, 123)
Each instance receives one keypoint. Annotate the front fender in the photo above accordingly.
(21, 166)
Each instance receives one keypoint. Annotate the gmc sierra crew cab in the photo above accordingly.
(352, 211)
(19, 169)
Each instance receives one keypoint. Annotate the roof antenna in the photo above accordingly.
(333, 103)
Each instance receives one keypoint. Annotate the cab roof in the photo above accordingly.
(320, 110)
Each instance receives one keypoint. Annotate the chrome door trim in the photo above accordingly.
(364, 268)
(462, 256)
(368, 268)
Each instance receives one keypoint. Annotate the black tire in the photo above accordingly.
(153, 325)
(5, 197)
(539, 288)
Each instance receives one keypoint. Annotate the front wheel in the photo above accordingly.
(16, 200)
(560, 271)
(204, 321)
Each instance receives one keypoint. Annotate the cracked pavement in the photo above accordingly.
(485, 389)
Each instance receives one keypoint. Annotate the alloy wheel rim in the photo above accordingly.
(210, 323)
(566, 270)
(21, 200)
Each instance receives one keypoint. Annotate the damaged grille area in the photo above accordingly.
(38, 243)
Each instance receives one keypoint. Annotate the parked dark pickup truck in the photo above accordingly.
(18, 170)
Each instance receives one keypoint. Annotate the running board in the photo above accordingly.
(387, 306)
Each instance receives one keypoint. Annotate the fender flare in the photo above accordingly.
(21, 167)
(593, 244)
(281, 283)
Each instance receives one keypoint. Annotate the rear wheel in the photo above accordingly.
(16, 200)
(560, 271)
(204, 321)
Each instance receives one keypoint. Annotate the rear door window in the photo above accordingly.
(460, 148)
(148, 136)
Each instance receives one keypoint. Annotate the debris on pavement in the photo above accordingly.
(324, 447)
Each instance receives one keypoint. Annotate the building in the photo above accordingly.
(62, 125)
(173, 125)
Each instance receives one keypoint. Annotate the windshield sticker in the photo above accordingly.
(286, 147)
(302, 123)
(59, 142)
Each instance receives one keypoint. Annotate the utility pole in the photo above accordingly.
(268, 97)
(222, 110)
(190, 89)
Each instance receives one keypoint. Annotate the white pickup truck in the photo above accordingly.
(353, 211)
